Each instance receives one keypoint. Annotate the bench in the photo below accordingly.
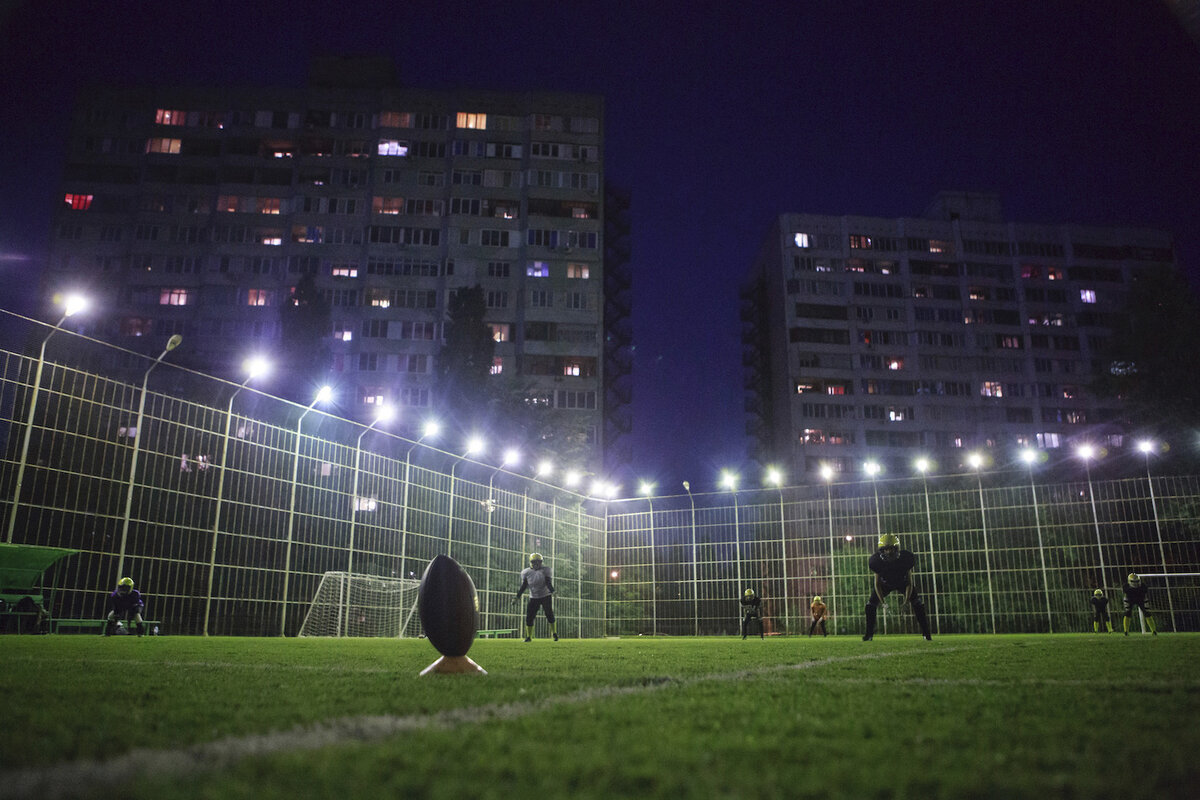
(57, 624)
(491, 634)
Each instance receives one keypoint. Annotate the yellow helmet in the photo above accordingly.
(749, 593)
(125, 582)
(535, 558)
(816, 598)
(1098, 593)
(889, 540)
(1134, 579)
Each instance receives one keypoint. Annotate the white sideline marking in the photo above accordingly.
(66, 779)
(338, 668)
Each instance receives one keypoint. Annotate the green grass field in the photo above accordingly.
(899, 717)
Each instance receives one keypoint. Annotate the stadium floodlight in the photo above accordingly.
(922, 465)
(572, 478)
(1029, 455)
(687, 487)
(1146, 447)
(646, 489)
(545, 468)
(511, 457)
(773, 476)
(826, 473)
(729, 481)
(975, 461)
(253, 367)
(473, 446)
(614, 574)
(72, 305)
(383, 415)
(872, 468)
(429, 430)
(1085, 451)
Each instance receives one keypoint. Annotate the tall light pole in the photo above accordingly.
(1146, 447)
(430, 429)
(172, 343)
(976, 462)
(323, 395)
(511, 458)
(827, 476)
(1087, 452)
(384, 415)
(923, 466)
(729, 481)
(254, 367)
(72, 305)
(646, 489)
(1030, 456)
(474, 447)
(695, 564)
(775, 478)
(872, 469)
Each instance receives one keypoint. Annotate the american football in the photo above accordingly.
(448, 607)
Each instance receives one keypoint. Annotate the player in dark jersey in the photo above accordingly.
(1100, 608)
(125, 604)
(893, 573)
(1135, 595)
(751, 610)
(538, 579)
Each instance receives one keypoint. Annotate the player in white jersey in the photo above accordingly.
(537, 578)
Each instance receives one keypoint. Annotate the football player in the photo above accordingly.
(1100, 607)
(125, 603)
(751, 604)
(893, 573)
(537, 578)
(818, 609)
(1135, 595)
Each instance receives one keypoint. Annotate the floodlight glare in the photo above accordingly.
(826, 472)
(1085, 451)
(646, 488)
(729, 480)
(1028, 455)
(432, 428)
(1145, 446)
(73, 304)
(512, 456)
(922, 465)
(474, 445)
(255, 366)
(323, 394)
(385, 414)
(572, 478)
(774, 476)
(975, 460)
(544, 468)
(872, 468)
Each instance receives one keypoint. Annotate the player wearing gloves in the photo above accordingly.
(537, 578)
(1100, 608)
(1135, 595)
(893, 567)
(125, 603)
(751, 605)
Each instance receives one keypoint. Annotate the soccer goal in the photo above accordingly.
(1174, 598)
(349, 604)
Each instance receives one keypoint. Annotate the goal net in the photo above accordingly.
(1174, 600)
(349, 604)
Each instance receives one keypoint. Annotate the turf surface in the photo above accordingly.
(978, 716)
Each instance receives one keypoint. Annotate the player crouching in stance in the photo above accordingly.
(892, 567)
(537, 579)
(125, 603)
(1100, 607)
(818, 609)
(1135, 595)
(751, 604)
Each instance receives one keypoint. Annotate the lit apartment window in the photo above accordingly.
(572, 369)
(258, 297)
(228, 203)
(269, 205)
(395, 119)
(271, 239)
(801, 240)
(1054, 274)
(387, 205)
(497, 366)
(538, 269)
(343, 332)
(365, 503)
(500, 331)
(161, 145)
(992, 389)
(169, 117)
(577, 270)
(860, 242)
(392, 147)
(940, 246)
(173, 297)
(895, 363)
(78, 202)
(1087, 295)
(468, 120)
(344, 271)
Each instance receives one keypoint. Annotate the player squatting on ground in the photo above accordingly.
(125, 604)
(537, 578)
(893, 567)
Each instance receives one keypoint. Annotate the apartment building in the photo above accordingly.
(198, 211)
(892, 339)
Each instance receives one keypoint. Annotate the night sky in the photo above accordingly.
(719, 117)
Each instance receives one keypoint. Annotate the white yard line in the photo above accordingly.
(68, 778)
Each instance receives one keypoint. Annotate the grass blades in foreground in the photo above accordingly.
(980, 716)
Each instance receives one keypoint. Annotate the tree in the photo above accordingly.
(304, 326)
(465, 361)
(1152, 368)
